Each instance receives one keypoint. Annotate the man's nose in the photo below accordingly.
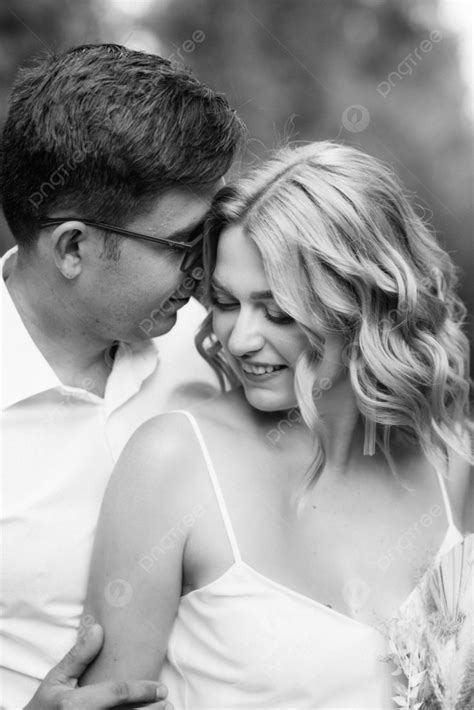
(246, 336)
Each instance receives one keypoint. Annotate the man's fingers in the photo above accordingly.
(135, 693)
(74, 663)
(99, 696)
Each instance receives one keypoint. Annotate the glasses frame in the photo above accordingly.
(189, 248)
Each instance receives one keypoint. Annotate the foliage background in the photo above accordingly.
(293, 69)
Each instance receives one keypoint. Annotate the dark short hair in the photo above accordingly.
(103, 130)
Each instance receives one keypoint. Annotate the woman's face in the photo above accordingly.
(261, 343)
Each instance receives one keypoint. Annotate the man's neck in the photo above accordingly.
(65, 342)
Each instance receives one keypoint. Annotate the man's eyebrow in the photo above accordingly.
(184, 235)
(255, 295)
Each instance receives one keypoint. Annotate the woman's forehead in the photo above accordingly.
(239, 264)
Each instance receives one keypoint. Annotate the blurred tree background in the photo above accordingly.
(384, 75)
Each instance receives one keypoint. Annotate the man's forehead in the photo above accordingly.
(176, 211)
(182, 204)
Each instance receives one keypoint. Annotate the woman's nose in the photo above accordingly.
(246, 335)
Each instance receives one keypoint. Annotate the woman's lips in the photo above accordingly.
(260, 375)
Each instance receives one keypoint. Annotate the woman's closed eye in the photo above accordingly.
(224, 303)
(280, 317)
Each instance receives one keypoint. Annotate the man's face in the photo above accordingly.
(137, 296)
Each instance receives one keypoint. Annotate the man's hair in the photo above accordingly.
(102, 130)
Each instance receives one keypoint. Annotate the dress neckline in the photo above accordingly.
(309, 600)
(282, 588)
(238, 561)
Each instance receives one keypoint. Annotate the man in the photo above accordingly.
(110, 160)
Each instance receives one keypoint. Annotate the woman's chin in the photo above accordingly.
(268, 400)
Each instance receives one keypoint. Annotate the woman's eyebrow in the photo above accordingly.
(261, 296)
(217, 284)
(254, 296)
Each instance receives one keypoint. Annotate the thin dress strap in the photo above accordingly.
(215, 484)
(447, 504)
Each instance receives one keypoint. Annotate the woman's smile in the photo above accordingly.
(258, 372)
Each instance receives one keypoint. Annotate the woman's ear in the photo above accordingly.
(65, 241)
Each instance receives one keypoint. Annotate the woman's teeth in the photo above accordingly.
(260, 369)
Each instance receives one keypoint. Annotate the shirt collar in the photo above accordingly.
(133, 364)
(26, 372)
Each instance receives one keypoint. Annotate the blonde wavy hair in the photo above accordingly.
(344, 252)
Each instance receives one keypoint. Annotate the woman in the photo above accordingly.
(242, 549)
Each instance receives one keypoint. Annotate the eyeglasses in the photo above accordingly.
(192, 256)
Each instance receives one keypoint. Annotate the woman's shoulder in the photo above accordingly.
(170, 438)
(460, 479)
(161, 460)
(165, 433)
(160, 437)
(228, 411)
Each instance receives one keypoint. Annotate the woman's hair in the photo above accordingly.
(344, 252)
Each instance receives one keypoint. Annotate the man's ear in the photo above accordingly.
(66, 239)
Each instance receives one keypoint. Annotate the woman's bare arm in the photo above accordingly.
(135, 583)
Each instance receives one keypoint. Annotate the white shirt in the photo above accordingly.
(59, 447)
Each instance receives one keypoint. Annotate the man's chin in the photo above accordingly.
(149, 329)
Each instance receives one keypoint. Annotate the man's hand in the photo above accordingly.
(59, 691)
